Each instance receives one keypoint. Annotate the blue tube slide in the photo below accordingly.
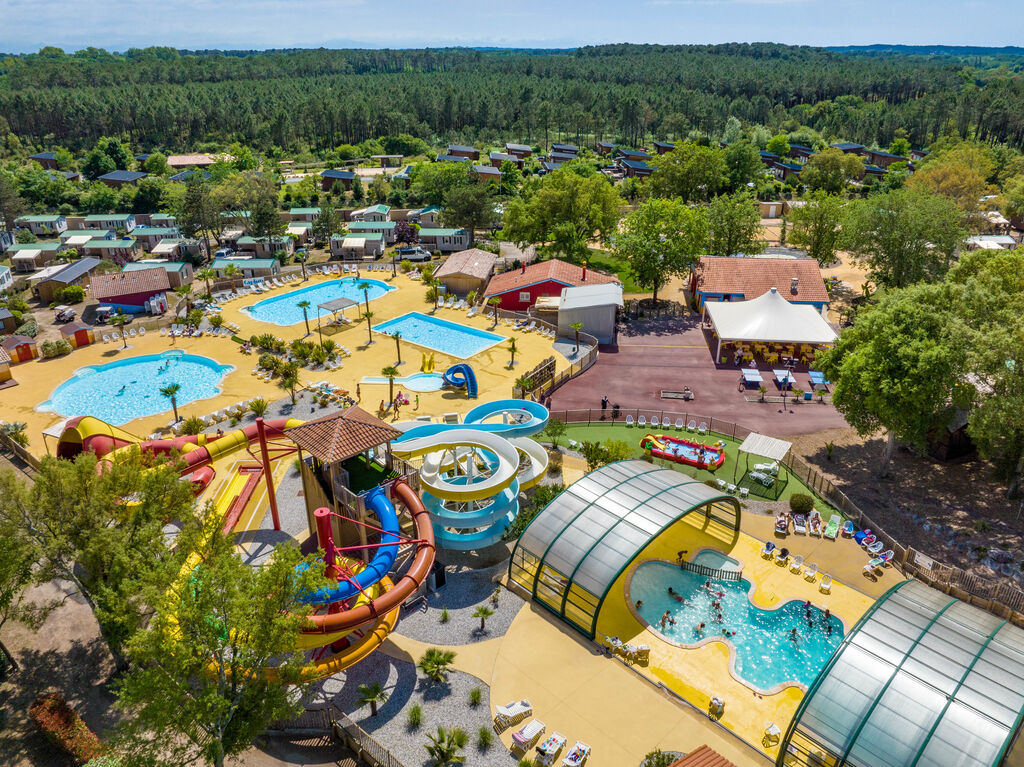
(461, 375)
(382, 562)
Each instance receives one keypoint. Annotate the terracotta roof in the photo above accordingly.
(472, 263)
(73, 327)
(126, 283)
(185, 160)
(753, 277)
(341, 435)
(4, 356)
(559, 271)
(705, 756)
(11, 342)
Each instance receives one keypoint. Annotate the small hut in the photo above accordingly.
(78, 334)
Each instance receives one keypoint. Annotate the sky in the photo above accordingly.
(27, 25)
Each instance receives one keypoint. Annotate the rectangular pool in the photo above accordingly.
(440, 335)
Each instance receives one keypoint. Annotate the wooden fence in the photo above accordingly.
(998, 597)
(329, 719)
(9, 445)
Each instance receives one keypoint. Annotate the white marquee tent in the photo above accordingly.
(768, 318)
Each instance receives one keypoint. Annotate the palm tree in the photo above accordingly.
(302, 263)
(390, 373)
(398, 347)
(231, 271)
(216, 321)
(304, 305)
(171, 392)
(577, 326)
(368, 316)
(258, 406)
(429, 280)
(495, 302)
(185, 292)
(365, 287)
(483, 612)
(512, 349)
(435, 662)
(372, 694)
(444, 747)
(119, 321)
(524, 384)
(289, 380)
(329, 347)
(206, 273)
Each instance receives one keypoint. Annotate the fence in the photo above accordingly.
(999, 598)
(329, 719)
(710, 572)
(8, 444)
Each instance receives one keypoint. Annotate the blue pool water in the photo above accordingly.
(422, 382)
(283, 309)
(764, 654)
(440, 335)
(130, 388)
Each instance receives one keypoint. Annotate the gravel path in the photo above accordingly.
(466, 590)
(445, 705)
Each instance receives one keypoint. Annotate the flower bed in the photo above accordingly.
(64, 728)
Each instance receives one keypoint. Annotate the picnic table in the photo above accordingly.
(818, 378)
(783, 377)
(751, 376)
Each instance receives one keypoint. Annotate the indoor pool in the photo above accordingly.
(765, 654)
(130, 388)
(421, 382)
(440, 335)
(284, 309)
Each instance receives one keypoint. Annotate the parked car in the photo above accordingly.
(413, 253)
(224, 253)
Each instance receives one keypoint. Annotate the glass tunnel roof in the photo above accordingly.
(591, 531)
(924, 680)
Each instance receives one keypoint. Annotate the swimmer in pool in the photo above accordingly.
(639, 603)
(828, 629)
(664, 620)
(794, 637)
(121, 391)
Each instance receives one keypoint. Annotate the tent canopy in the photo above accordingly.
(765, 447)
(769, 317)
(337, 304)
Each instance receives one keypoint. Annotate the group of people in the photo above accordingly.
(399, 401)
(826, 623)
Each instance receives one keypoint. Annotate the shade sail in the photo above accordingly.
(769, 318)
(765, 447)
(337, 304)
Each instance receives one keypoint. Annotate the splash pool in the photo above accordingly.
(440, 335)
(764, 654)
(284, 309)
(421, 382)
(121, 391)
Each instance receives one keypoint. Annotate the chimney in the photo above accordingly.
(793, 285)
(523, 269)
(584, 277)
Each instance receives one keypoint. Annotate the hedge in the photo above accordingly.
(64, 728)
(54, 348)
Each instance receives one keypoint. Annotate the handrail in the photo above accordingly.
(711, 572)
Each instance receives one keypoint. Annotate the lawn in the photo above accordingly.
(632, 435)
(606, 261)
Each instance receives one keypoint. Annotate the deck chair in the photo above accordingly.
(654, 421)
(679, 424)
(629, 418)
(797, 564)
(641, 420)
(513, 713)
(528, 734)
(811, 572)
(721, 484)
(826, 584)
(163, 331)
(691, 426)
(703, 428)
(142, 331)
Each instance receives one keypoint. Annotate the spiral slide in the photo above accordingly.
(474, 471)
(461, 376)
(362, 607)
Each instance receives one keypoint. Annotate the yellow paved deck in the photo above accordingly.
(37, 379)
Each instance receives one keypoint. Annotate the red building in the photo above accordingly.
(518, 290)
(133, 292)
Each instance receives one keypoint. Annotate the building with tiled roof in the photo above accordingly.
(347, 433)
(705, 756)
(118, 178)
(739, 278)
(519, 289)
(178, 161)
(466, 270)
(132, 292)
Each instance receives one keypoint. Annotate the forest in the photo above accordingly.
(310, 100)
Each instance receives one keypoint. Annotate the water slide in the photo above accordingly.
(461, 376)
(474, 471)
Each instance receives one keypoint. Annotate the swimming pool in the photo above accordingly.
(764, 655)
(422, 382)
(440, 335)
(120, 391)
(283, 309)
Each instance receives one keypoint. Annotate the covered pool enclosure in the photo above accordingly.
(923, 680)
(576, 548)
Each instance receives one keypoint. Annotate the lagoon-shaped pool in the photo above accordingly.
(121, 391)
(284, 309)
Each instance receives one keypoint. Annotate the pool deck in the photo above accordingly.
(37, 379)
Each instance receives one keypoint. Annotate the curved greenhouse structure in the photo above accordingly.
(574, 550)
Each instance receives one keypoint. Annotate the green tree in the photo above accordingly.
(231, 272)
(743, 165)
(959, 174)
(512, 349)
(197, 214)
(16, 575)
(171, 392)
(119, 321)
(327, 224)
(900, 146)
(264, 221)
(358, 193)
(156, 164)
(511, 178)
(207, 274)
(660, 240)
(734, 225)
(778, 144)
(217, 663)
(97, 163)
(289, 379)
(72, 522)
(555, 430)
(903, 237)
(444, 748)
(830, 169)
(372, 694)
(816, 226)
(577, 327)
(563, 212)
(483, 612)
(895, 368)
(244, 159)
(398, 345)
(692, 172)
(11, 204)
(391, 373)
(435, 663)
(304, 305)
(184, 292)
(431, 182)
(469, 207)
(495, 303)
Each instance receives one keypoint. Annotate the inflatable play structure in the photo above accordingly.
(461, 376)
(685, 451)
(359, 604)
(473, 471)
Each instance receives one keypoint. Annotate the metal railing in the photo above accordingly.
(330, 719)
(711, 572)
(998, 597)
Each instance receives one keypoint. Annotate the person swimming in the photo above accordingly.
(121, 390)
(828, 629)
(639, 603)
(794, 637)
(664, 619)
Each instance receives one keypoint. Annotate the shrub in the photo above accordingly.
(405, 265)
(269, 361)
(192, 425)
(64, 728)
(801, 503)
(484, 738)
(981, 526)
(475, 696)
(444, 615)
(431, 295)
(258, 406)
(27, 328)
(54, 348)
(16, 431)
(415, 716)
(72, 294)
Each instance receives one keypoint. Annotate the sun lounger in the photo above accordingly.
(769, 550)
(744, 492)
(781, 556)
(847, 529)
(654, 421)
(875, 548)
(703, 428)
(832, 528)
(513, 713)
(765, 479)
(811, 572)
(629, 418)
(577, 755)
(768, 468)
(782, 524)
(874, 564)
(527, 735)
(548, 751)
(142, 331)
(800, 524)
(826, 583)
(886, 556)
(814, 522)
(797, 564)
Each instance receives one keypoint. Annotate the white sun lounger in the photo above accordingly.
(811, 572)
(528, 734)
(513, 713)
(577, 755)
(826, 583)
(629, 420)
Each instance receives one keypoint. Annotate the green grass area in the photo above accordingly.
(631, 435)
(606, 261)
(362, 477)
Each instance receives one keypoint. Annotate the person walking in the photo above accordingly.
(604, 405)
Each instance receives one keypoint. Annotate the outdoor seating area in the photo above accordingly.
(525, 737)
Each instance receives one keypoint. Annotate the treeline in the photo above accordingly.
(317, 99)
